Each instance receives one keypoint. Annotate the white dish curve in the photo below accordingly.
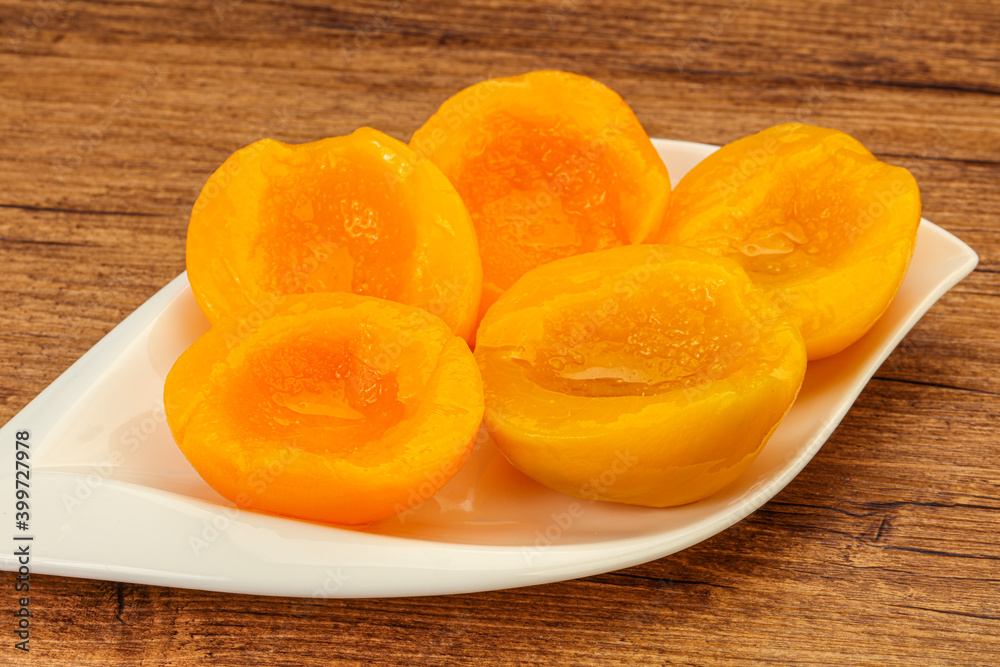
(111, 496)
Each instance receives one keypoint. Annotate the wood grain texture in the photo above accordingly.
(883, 551)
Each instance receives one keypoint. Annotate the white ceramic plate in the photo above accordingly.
(111, 497)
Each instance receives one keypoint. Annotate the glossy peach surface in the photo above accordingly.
(360, 213)
(646, 374)
(336, 408)
(816, 221)
(550, 164)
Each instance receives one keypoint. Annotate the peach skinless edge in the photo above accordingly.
(662, 364)
(550, 164)
(819, 223)
(359, 213)
(337, 408)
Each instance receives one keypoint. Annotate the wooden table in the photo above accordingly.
(885, 549)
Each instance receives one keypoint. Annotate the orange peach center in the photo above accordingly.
(798, 226)
(638, 346)
(290, 386)
(333, 226)
(537, 191)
